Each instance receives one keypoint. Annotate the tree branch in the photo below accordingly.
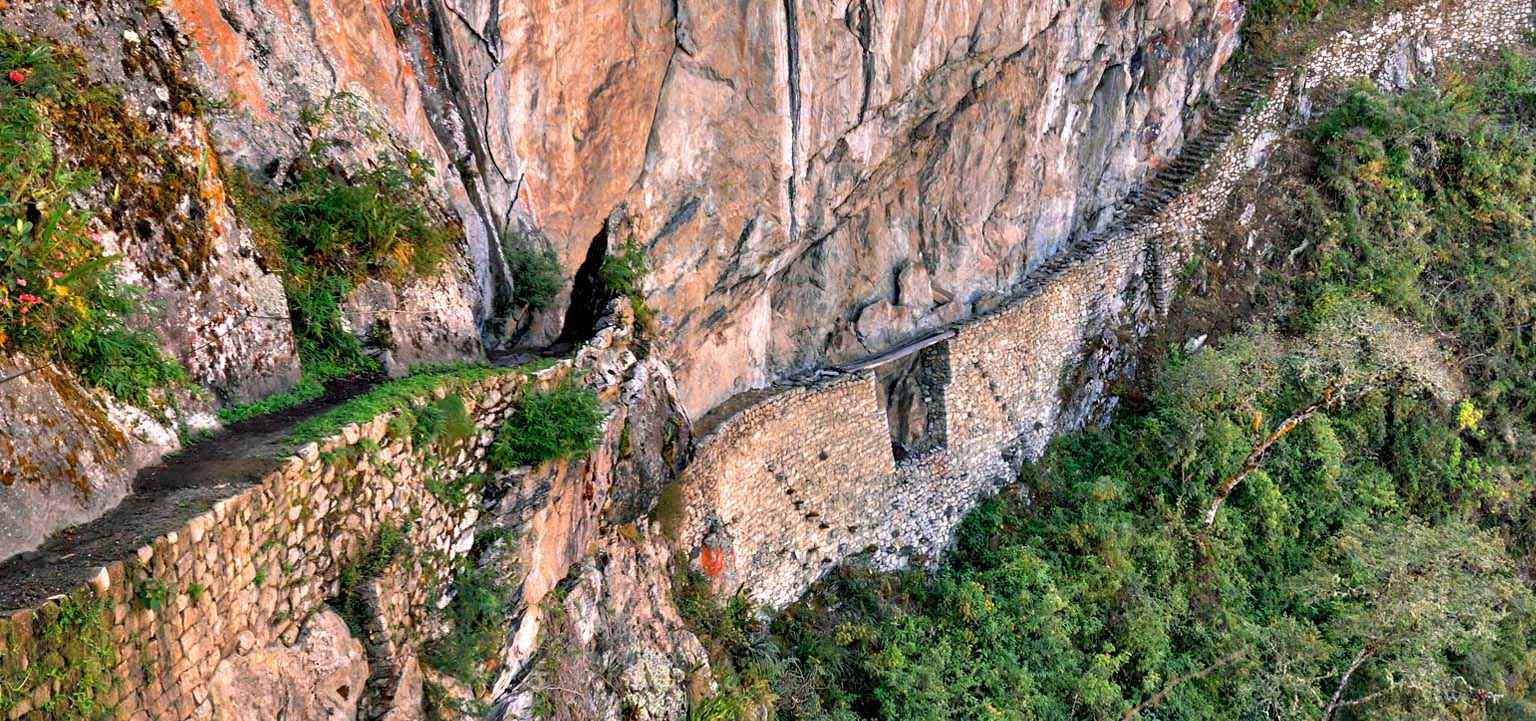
(1332, 395)
(1338, 693)
(1158, 697)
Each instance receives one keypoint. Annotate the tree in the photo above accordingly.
(1353, 349)
(1394, 602)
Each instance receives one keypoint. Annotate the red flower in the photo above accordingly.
(57, 275)
(17, 76)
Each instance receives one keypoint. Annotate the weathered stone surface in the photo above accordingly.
(318, 679)
(66, 453)
(430, 321)
(993, 392)
(620, 641)
(406, 705)
(785, 164)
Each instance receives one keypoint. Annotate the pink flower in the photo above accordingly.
(59, 255)
(57, 275)
(17, 76)
(21, 282)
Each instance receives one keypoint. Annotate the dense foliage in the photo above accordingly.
(60, 297)
(1372, 441)
(482, 600)
(536, 274)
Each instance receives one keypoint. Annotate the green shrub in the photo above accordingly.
(477, 616)
(151, 594)
(60, 298)
(443, 423)
(536, 274)
(329, 231)
(452, 489)
(622, 274)
(362, 226)
(560, 423)
(389, 547)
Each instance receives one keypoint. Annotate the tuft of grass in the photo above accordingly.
(560, 423)
(307, 389)
(70, 649)
(398, 395)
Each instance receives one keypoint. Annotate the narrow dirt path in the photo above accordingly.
(164, 497)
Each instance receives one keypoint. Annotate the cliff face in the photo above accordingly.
(810, 184)
(811, 180)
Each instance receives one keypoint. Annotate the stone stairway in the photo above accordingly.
(1153, 198)
(997, 394)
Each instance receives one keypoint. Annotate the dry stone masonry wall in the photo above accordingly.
(781, 491)
(249, 573)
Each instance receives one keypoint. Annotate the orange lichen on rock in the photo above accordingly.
(223, 48)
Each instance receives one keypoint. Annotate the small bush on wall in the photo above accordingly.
(536, 274)
(560, 423)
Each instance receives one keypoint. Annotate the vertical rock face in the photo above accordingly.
(812, 179)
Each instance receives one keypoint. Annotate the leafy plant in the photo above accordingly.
(536, 274)
(71, 652)
(60, 297)
(482, 601)
(151, 593)
(622, 274)
(560, 423)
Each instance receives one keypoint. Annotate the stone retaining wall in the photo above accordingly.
(999, 395)
(249, 572)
